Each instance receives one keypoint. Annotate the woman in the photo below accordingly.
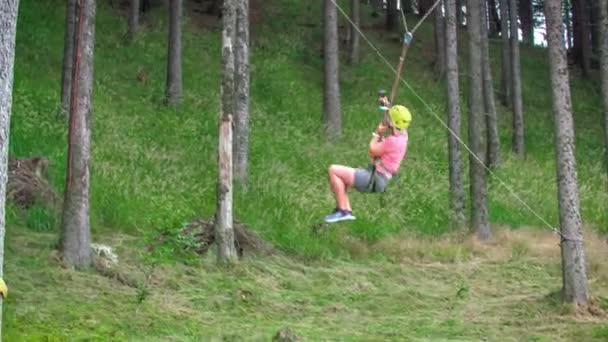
(387, 154)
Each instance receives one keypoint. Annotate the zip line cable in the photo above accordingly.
(430, 110)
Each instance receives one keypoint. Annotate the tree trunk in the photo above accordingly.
(457, 196)
(573, 256)
(439, 42)
(604, 71)
(488, 95)
(76, 238)
(391, 14)
(406, 5)
(582, 41)
(527, 22)
(594, 26)
(505, 81)
(355, 6)
(518, 111)
(494, 20)
(133, 19)
(174, 62)
(8, 30)
(68, 55)
(241, 122)
(331, 99)
(424, 6)
(224, 223)
(477, 124)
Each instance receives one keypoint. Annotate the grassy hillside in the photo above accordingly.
(154, 169)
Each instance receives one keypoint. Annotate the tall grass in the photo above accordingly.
(155, 167)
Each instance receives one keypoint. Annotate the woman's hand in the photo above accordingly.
(381, 128)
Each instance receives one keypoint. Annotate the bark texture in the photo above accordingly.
(527, 23)
(133, 19)
(477, 124)
(457, 196)
(494, 19)
(76, 237)
(224, 223)
(174, 62)
(241, 122)
(488, 96)
(582, 35)
(68, 55)
(505, 81)
(391, 14)
(518, 110)
(604, 71)
(354, 54)
(575, 288)
(8, 30)
(331, 95)
(439, 42)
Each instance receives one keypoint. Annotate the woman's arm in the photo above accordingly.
(376, 146)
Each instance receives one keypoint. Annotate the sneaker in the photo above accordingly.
(339, 215)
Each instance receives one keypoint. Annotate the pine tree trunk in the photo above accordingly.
(439, 42)
(391, 14)
(582, 42)
(527, 23)
(8, 30)
(241, 122)
(594, 26)
(354, 37)
(76, 238)
(407, 6)
(575, 288)
(457, 196)
(133, 19)
(331, 99)
(505, 80)
(68, 55)
(174, 62)
(518, 111)
(488, 95)
(224, 223)
(494, 20)
(424, 6)
(604, 71)
(477, 124)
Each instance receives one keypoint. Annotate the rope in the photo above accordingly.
(74, 95)
(425, 16)
(430, 110)
(403, 19)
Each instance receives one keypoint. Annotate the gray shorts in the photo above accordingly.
(362, 184)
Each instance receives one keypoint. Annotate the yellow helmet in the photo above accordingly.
(400, 116)
(3, 289)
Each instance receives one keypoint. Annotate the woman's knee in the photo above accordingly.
(333, 169)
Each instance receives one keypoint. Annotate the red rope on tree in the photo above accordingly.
(74, 91)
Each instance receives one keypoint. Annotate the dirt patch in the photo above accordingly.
(247, 242)
(27, 184)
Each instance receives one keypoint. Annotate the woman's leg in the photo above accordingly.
(340, 178)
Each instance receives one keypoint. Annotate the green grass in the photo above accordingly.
(429, 291)
(154, 169)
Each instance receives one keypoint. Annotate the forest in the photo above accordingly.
(359, 170)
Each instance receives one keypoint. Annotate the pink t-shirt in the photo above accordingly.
(394, 147)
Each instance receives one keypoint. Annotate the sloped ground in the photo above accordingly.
(423, 290)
